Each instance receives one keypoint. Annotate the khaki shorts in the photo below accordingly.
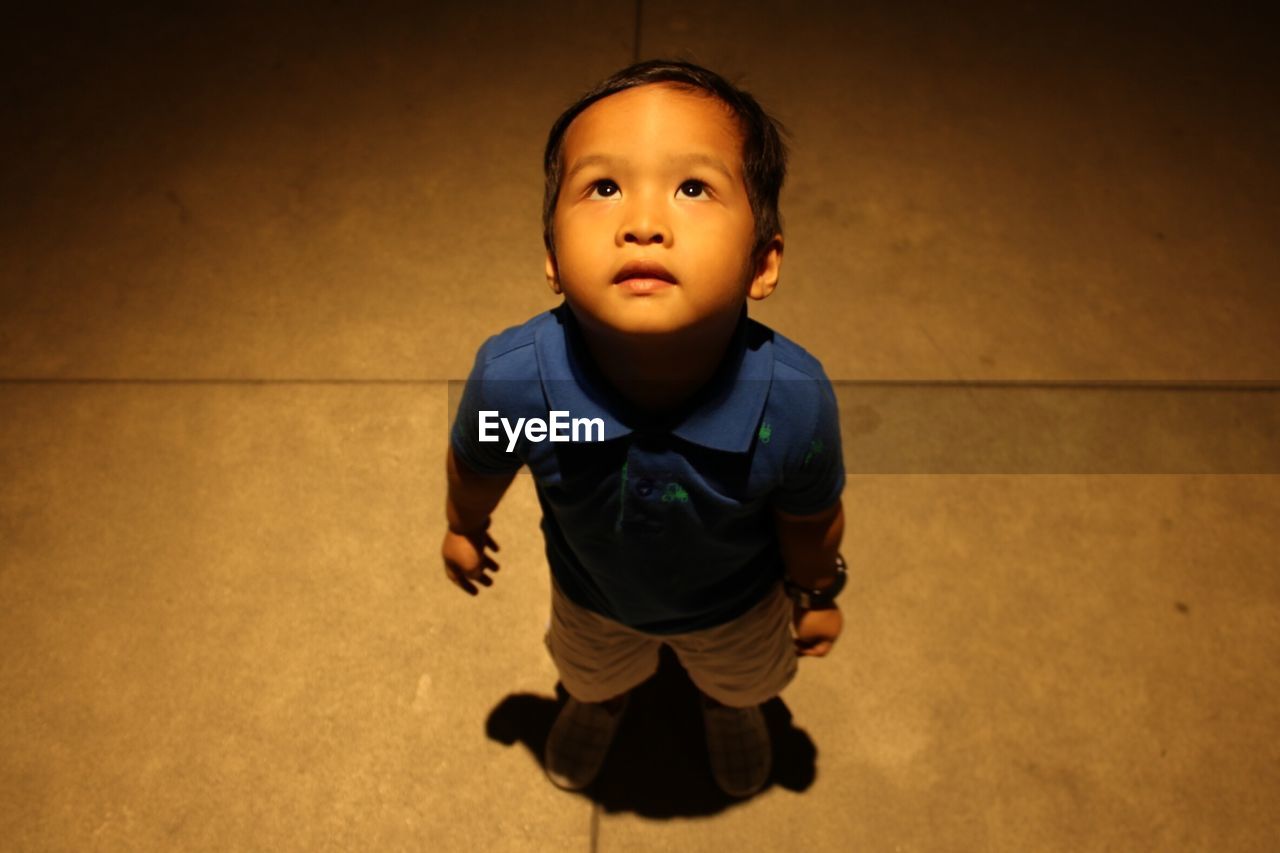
(743, 662)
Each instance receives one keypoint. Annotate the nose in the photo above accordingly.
(643, 224)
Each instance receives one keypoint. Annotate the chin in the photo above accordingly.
(646, 326)
(634, 320)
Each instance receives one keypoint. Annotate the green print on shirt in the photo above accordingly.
(675, 492)
(815, 447)
(766, 433)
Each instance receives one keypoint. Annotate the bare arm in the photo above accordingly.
(809, 545)
(471, 498)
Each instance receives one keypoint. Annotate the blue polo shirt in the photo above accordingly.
(663, 525)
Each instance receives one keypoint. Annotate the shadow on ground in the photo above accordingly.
(658, 764)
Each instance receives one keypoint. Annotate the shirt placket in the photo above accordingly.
(648, 493)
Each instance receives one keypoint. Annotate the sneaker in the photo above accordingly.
(739, 748)
(579, 741)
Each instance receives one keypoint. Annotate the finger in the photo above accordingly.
(488, 540)
(807, 641)
(478, 574)
(818, 650)
(460, 581)
(491, 564)
(475, 575)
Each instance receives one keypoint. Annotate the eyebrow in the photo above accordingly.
(686, 160)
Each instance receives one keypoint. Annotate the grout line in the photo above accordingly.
(1088, 385)
(595, 827)
(218, 381)
(1076, 384)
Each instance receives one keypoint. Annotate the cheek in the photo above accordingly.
(720, 245)
(582, 232)
(580, 258)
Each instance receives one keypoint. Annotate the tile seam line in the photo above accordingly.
(1217, 385)
(219, 381)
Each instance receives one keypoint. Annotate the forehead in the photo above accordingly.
(657, 120)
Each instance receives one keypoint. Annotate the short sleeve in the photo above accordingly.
(813, 475)
(482, 394)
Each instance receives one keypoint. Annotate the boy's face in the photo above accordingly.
(653, 225)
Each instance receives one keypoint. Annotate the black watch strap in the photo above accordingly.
(812, 599)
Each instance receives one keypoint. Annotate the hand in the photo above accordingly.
(816, 630)
(465, 560)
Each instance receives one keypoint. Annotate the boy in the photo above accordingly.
(708, 515)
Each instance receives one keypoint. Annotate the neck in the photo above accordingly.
(658, 373)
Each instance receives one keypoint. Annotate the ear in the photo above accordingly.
(553, 275)
(768, 266)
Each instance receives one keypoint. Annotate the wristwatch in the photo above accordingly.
(816, 599)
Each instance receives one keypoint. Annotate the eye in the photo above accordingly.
(603, 189)
(693, 189)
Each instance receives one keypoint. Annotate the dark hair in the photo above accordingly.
(764, 154)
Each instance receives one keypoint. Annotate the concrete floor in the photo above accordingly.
(242, 252)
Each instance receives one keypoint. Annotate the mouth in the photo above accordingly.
(644, 277)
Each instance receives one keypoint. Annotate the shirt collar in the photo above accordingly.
(722, 416)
